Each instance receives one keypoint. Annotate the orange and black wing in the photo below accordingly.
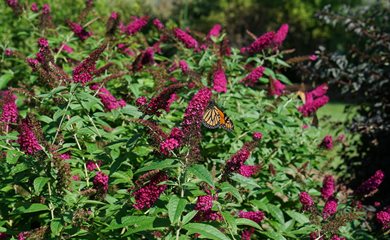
(228, 125)
(211, 117)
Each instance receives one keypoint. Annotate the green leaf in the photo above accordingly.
(205, 230)
(228, 188)
(299, 217)
(39, 183)
(175, 208)
(231, 221)
(19, 168)
(56, 227)
(274, 235)
(30, 208)
(276, 213)
(169, 163)
(13, 156)
(202, 173)
(74, 119)
(5, 78)
(189, 216)
(247, 222)
(248, 182)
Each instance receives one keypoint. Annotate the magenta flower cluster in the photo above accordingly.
(168, 145)
(257, 135)
(330, 208)
(79, 31)
(306, 200)
(204, 203)
(91, 165)
(383, 217)
(267, 40)
(46, 9)
(148, 194)
(261, 43)
(66, 48)
(158, 24)
(185, 38)
(184, 66)
(248, 170)
(9, 110)
(204, 206)
(371, 184)
(162, 101)
(172, 142)
(235, 163)
(109, 101)
(194, 112)
(328, 187)
(252, 78)
(276, 87)
(214, 31)
(314, 100)
(327, 142)
(27, 140)
(136, 25)
(220, 81)
(100, 182)
(280, 35)
(256, 216)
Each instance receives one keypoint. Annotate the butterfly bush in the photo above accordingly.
(104, 135)
(27, 138)
(328, 187)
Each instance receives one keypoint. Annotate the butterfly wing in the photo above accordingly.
(211, 117)
(225, 121)
(228, 125)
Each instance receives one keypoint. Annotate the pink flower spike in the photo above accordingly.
(330, 208)
(185, 38)
(248, 170)
(100, 182)
(109, 101)
(306, 200)
(371, 184)
(280, 35)
(136, 25)
(256, 216)
(148, 194)
(27, 140)
(328, 187)
(252, 78)
(261, 43)
(220, 81)
(276, 88)
(158, 24)
(327, 142)
(383, 217)
(66, 48)
(34, 7)
(168, 145)
(204, 203)
(214, 31)
(257, 135)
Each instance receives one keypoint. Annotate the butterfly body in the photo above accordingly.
(214, 117)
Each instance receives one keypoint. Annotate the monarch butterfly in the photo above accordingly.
(214, 117)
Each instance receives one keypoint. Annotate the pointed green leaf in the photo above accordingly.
(39, 183)
(202, 173)
(205, 230)
(175, 208)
